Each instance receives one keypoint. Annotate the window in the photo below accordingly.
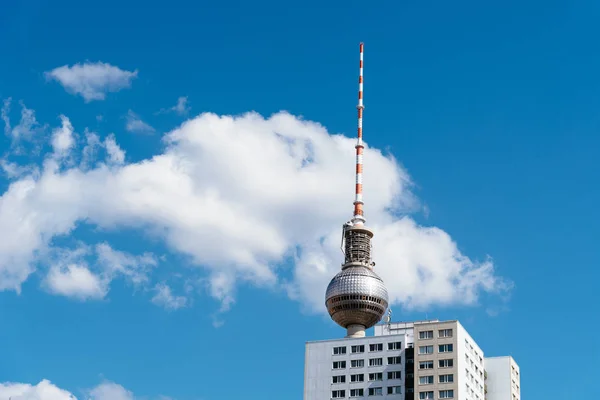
(376, 376)
(357, 363)
(426, 335)
(338, 394)
(410, 375)
(377, 391)
(425, 349)
(338, 379)
(357, 392)
(375, 362)
(376, 347)
(358, 348)
(394, 389)
(394, 360)
(395, 346)
(339, 350)
(448, 378)
(449, 363)
(445, 333)
(446, 394)
(425, 364)
(410, 360)
(446, 348)
(357, 378)
(339, 364)
(410, 390)
(425, 395)
(426, 380)
(394, 375)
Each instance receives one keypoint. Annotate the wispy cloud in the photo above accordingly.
(92, 81)
(135, 124)
(164, 297)
(28, 125)
(4, 115)
(181, 108)
(71, 274)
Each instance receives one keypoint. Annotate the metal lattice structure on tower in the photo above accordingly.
(356, 297)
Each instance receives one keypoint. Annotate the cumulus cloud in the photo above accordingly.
(181, 108)
(164, 297)
(240, 196)
(46, 390)
(135, 124)
(92, 81)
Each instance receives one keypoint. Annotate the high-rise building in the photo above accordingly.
(503, 378)
(407, 360)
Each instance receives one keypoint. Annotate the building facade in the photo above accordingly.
(503, 378)
(408, 360)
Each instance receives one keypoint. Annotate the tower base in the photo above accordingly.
(355, 331)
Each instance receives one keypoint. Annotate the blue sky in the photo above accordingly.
(141, 255)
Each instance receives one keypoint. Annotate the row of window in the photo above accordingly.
(473, 379)
(341, 350)
(445, 363)
(442, 348)
(374, 391)
(373, 362)
(442, 333)
(443, 394)
(373, 377)
(473, 393)
(428, 380)
(470, 347)
(355, 297)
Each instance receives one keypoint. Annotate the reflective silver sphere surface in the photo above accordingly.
(356, 296)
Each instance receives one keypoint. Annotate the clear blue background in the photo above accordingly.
(493, 107)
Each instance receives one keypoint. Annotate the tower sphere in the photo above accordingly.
(356, 296)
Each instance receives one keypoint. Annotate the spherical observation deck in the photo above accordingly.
(356, 298)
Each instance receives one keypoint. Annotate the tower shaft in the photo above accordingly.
(358, 197)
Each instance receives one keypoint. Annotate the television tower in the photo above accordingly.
(356, 297)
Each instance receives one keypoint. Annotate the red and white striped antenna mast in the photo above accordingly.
(359, 218)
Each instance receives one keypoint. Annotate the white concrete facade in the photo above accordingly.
(471, 372)
(503, 378)
(370, 366)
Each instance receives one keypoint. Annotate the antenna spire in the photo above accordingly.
(359, 218)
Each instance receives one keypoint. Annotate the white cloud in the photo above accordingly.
(180, 108)
(62, 137)
(110, 391)
(165, 298)
(135, 124)
(115, 154)
(76, 281)
(46, 390)
(238, 196)
(92, 81)
(70, 273)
